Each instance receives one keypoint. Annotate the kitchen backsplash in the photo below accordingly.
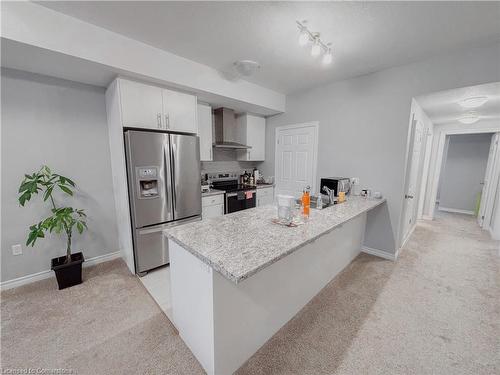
(227, 166)
(225, 161)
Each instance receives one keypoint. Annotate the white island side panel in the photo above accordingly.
(192, 303)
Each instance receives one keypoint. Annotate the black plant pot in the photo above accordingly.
(68, 274)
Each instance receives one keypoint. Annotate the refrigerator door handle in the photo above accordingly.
(174, 177)
(167, 155)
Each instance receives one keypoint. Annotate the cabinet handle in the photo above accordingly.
(222, 209)
(158, 120)
(211, 154)
(248, 154)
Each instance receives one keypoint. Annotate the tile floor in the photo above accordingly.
(157, 283)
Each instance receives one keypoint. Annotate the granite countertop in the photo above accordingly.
(240, 244)
(212, 192)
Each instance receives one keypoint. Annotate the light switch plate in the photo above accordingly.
(17, 249)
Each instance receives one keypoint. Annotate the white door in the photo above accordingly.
(141, 105)
(410, 201)
(180, 111)
(205, 132)
(295, 159)
(489, 185)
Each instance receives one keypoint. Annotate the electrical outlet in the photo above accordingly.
(17, 249)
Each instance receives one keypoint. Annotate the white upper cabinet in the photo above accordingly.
(141, 105)
(152, 107)
(252, 132)
(205, 132)
(179, 111)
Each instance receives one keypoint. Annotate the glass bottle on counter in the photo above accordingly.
(306, 202)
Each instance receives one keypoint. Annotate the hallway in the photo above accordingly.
(434, 311)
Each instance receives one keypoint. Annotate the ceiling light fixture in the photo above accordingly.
(469, 118)
(328, 57)
(318, 45)
(316, 48)
(473, 101)
(303, 36)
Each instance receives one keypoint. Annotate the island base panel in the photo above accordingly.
(224, 323)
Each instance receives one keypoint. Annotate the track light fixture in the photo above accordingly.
(318, 46)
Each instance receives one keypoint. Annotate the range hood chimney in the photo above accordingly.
(225, 130)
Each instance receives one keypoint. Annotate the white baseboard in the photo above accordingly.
(427, 217)
(380, 253)
(456, 211)
(9, 284)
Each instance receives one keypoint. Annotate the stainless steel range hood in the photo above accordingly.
(225, 130)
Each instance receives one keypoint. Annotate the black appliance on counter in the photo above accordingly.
(237, 196)
(337, 184)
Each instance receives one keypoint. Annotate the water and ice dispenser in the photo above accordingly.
(148, 182)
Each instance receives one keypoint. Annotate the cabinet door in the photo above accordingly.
(179, 111)
(256, 137)
(265, 196)
(205, 132)
(252, 132)
(212, 211)
(141, 105)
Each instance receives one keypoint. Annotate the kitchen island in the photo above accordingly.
(237, 279)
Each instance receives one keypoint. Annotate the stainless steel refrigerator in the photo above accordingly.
(163, 171)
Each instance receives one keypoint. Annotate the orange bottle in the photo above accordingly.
(306, 202)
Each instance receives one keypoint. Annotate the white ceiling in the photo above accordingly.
(366, 36)
(443, 107)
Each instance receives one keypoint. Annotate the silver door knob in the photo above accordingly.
(408, 196)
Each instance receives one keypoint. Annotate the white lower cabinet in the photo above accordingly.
(212, 206)
(265, 196)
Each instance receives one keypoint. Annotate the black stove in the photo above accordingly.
(237, 196)
(231, 186)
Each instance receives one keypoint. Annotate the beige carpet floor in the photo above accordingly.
(434, 311)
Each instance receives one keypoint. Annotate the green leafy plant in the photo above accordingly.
(63, 219)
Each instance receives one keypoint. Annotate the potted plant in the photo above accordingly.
(68, 268)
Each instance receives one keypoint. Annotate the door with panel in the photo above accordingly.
(410, 198)
(141, 105)
(295, 159)
(489, 184)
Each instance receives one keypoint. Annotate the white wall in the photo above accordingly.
(61, 124)
(364, 124)
(464, 170)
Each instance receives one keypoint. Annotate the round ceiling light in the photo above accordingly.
(473, 101)
(246, 67)
(469, 118)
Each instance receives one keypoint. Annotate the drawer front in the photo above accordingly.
(212, 200)
(264, 192)
(212, 211)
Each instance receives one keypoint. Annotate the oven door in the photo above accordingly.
(240, 200)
